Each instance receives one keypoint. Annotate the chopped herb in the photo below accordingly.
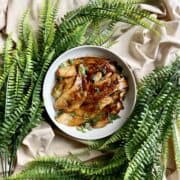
(94, 121)
(71, 61)
(82, 69)
(73, 114)
(64, 64)
(81, 128)
(87, 126)
(112, 117)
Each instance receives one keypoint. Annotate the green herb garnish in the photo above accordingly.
(82, 69)
(64, 64)
(81, 128)
(112, 117)
(73, 114)
(71, 61)
(84, 127)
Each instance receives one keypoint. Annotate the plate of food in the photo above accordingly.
(89, 92)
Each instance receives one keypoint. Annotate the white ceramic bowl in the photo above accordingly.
(129, 101)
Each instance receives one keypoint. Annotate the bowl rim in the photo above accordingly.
(104, 49)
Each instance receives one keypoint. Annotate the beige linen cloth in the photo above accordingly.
(139, 47)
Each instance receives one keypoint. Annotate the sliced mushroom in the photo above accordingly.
(68, 83)
(123, 83)
(76, 101)
(116, 107)
(76, 121)
(64, 118)
(69, 98)
(122, 94)
(105, 101)
(67, 71)
(97, 76)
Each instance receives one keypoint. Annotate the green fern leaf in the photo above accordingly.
(10, 92)
(7, 54)
(176, 132)
(47, 27)
(76, 38)
(8, 127)
(146, 124)
(24, 29)
(145, 154)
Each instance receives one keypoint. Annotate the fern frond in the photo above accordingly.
(96, 144)
(10, 92)
(146, 124)
(98, 11)
(145, 154)
(34, 118)
(7, 60)
(2, 100)
(3, 78)
(27, 73)
(24, 29)
(176, 132)
(67, 26)
(76, 38)
(8, 127)
(7, 54)
(38, 85)
(47, 173)
(47, 27)
(101, 33)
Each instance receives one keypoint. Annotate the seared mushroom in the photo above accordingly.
(105, 101)
(64, 118)
(67, 71)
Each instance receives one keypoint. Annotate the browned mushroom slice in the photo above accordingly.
(67, 71)
(116, 95)
(68, 83)
(106, 80)
(76, 121)
(116, 107)
(122, 94)
(64, 118)
(105, 101)
(97, 77)
(123, 83)
(66, 98)
(76, 100)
